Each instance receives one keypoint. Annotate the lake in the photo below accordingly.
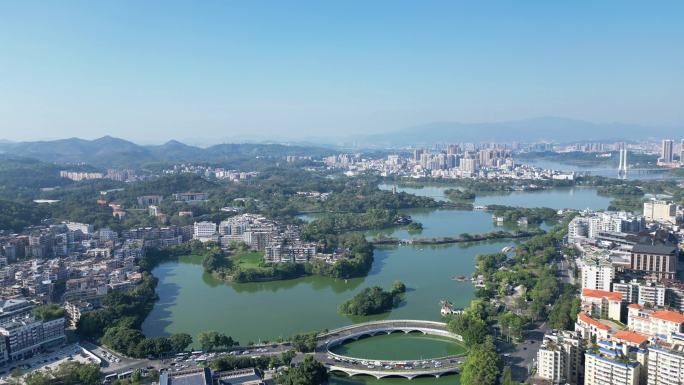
(192, 301)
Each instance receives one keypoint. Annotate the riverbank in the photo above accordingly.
(463, 238)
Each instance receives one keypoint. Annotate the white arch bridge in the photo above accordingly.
(352, 366)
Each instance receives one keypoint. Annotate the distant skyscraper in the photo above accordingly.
(681, 153)
(666, 152)
(416, 154)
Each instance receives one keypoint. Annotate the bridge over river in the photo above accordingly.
(385, 368)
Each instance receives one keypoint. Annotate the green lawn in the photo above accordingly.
(248, 259)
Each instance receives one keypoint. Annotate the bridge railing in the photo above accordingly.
(385, 322)
(446, 362)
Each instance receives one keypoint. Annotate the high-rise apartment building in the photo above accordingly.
(666, 362)
(559, 359)
(613, 364)
(597, 274)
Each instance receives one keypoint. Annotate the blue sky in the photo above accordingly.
(216, 70)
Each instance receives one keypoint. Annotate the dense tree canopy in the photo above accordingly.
(482, 366)
(309, 372)
(373, 300)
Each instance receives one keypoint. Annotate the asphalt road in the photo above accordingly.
(521, 357)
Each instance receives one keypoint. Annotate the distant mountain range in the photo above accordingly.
(109, 151)
(528, 130)
(115, 152)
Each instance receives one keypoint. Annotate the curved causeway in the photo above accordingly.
(384, 368)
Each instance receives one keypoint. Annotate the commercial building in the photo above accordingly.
(559, 359)
(191, 197)
(660, 211)
(657, 260)
(205, 376)
(204, 231)
(26, 336)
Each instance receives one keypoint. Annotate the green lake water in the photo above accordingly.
(192, 301)
(400, 346)
(557, 198)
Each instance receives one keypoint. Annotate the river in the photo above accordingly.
(192, 301)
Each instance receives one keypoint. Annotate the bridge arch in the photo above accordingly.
(352, 366)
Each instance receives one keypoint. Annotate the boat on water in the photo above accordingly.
(459, 278)
(508, 249)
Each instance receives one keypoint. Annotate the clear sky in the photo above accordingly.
(212, 70)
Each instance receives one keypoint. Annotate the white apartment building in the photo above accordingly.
(204, 231)
(611, 365)
(660, 211)
(652, 294)
(597, 274)
(299, 252)
(602, 304)
(666, 362)
(559, 358)
(654, 323)
(590, 224)
(642, 293)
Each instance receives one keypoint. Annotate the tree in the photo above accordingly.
(371, 300)
(38, 378)
(398, 287)
(507, 377)
(482, 366)
(211, 340)
(469, 326)
(309, 372)
(49, 312)
(67, 373)
(123, 339)
(179, 342)
(511, 325)
(304, 342)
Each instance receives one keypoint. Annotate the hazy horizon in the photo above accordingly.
(255, 71)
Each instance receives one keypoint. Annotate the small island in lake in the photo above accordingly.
(374, 300)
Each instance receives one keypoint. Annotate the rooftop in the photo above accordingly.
(598, 324)
(630, 336)
(612, 296)
(661, 248)
(668, 315)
